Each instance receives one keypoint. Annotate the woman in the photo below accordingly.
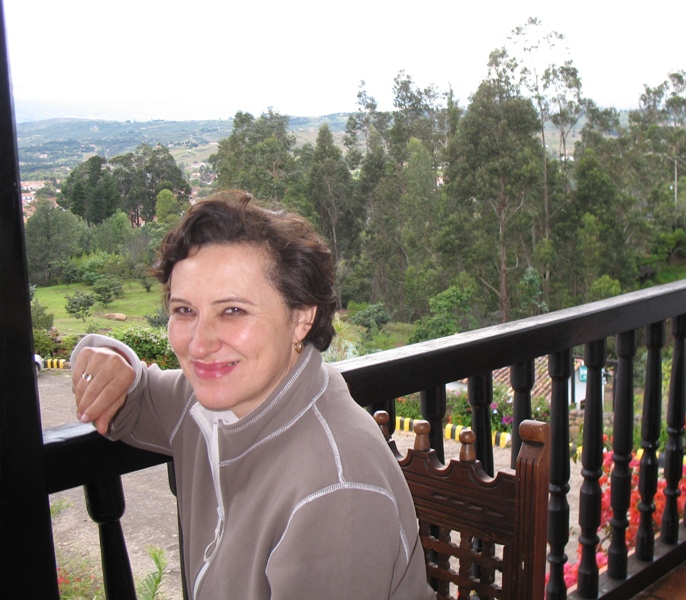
(286, 487)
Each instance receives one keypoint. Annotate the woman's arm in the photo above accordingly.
(104, 371)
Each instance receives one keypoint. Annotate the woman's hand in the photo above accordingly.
(100, 380)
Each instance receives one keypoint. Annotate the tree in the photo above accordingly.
(450, 312)
(114, 234)
(497, 179)
(52, 235)
(257, 156)
(542, 63)
(79, 305)
(330, 192)
(419, 208)
(106, 289)
(90, 191)
(167, 209)
(143, 174)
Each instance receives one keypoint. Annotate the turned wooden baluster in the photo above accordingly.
(432, 404)
(622, 445)
(590, 496)
(559, 369)
(674, 450)
(650, 435)
(522, 377)
(105, 504)
(480, 391)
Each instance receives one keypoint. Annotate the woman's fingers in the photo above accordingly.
(100, 380)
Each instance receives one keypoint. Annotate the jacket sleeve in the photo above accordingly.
(150, 413)
(347, 544)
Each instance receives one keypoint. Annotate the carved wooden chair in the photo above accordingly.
(482, 537)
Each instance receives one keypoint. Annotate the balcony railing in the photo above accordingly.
(76, 456)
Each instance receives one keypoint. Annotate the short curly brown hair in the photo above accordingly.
(301, 263)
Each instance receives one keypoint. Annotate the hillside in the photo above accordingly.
(54, 146)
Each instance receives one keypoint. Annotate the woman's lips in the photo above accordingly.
(213, 370)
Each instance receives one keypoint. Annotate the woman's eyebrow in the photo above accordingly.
(231, 299)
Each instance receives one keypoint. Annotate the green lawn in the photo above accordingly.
(135, 304)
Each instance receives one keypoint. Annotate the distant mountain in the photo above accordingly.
(54, 146)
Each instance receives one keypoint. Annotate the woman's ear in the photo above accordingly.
(304, 319)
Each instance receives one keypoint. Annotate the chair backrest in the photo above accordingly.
(480, 533)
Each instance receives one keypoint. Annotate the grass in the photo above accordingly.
(135, 304)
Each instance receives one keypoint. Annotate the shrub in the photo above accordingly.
(102, 263)
(151, 345)
(408, 407)
(79, 305)
(372, 318)
(106, 289)
(43, 343)
(458, 409)
(40, 317)
(159, 320)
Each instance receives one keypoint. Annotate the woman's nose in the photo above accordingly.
(204, 340)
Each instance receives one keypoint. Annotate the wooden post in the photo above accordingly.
(27, 559)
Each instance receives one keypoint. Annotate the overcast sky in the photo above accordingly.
(207, 59)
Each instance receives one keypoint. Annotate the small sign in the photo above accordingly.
(583, 373)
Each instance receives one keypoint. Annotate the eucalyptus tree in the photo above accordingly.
(496, 180)
(540, 60)
(331, 194)
(366, 122)
(257, 156)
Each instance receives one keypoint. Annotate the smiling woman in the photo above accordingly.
(286, 487)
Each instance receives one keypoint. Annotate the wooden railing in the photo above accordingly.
(75, 455)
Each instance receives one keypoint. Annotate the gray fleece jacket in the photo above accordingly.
(301, 499)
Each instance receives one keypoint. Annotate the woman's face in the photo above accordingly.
(230, 328)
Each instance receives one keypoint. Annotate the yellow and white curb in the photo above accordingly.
(501, 439)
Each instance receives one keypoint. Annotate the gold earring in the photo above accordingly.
(298, 347)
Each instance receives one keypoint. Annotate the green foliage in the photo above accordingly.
(347, 343)
(151, 345)
(43, 343)
(458, 410)
(158, 320)
(530, 293)
(114, 235)
(149, 588)
(77, 578)
(604, 287)
(143, 273)
(257, 156)
(449, 310)
(40, 317)
(408, 407)
(98, 264)
(52, 345)
(52, 236)
(79, 305)
(167, 209)
(372, 318)
(58, 506)
(106, 289)
(67, 344)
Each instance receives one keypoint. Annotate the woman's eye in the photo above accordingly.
(234, 310)
(182, 310)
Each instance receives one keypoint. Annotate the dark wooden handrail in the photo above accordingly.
(75, 455)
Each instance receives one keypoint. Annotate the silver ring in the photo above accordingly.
(86, 376)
